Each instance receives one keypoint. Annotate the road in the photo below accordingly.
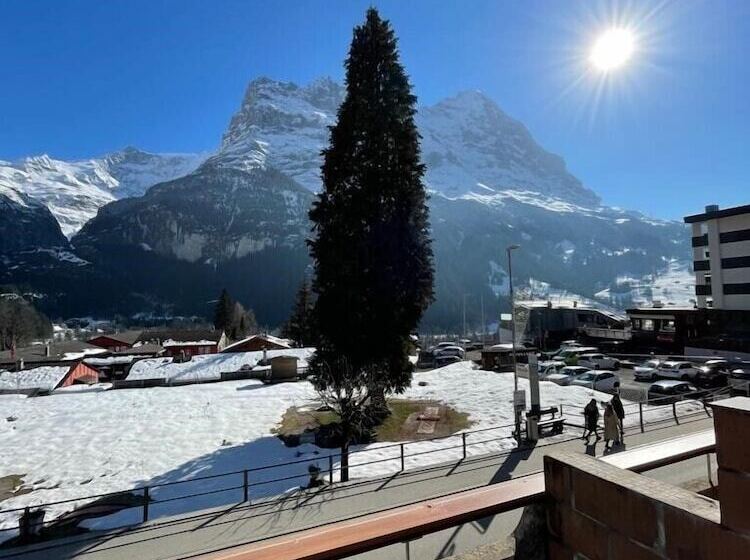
(188, 536)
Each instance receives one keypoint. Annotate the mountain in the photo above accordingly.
(27, 224)
(74, 191)
(239, 220)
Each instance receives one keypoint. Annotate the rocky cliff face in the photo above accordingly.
(26, 224)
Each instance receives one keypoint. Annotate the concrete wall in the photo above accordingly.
(599, 512)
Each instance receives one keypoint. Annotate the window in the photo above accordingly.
(668, 325)
(648, 324)
(637, 324)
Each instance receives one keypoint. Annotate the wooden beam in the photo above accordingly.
(377, 530)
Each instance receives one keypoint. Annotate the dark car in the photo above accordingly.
(671, 390)
(711, 375)
(445, 360)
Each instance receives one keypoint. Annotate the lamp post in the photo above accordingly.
(513, 341)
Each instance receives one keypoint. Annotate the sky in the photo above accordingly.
(665, 134)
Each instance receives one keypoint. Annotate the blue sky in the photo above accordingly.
(666, 134)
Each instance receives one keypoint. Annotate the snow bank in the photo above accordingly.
(208, 367)
(44, 378)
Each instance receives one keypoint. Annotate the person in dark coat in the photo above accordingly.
(620, 413)
(591, 417)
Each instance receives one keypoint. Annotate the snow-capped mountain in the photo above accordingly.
(470, 145)
(240, 219)
(283, 126)
(75, 190)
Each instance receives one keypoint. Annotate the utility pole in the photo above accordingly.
(484, 326)
(516, 405)
(465, 314)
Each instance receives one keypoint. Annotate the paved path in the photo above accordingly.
(210, 530)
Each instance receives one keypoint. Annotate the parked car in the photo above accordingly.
(669, 391)
(450, 351)
(599, 380)
(441, 345)
(712, 374)
(567, 375)
(441, 361)
(648, 371)
(598, 361)
(571, 355)
(548, 368)
(684, 371)
(739, 380)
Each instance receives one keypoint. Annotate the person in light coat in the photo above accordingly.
(611, 426)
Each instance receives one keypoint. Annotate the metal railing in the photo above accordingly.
(247, 479)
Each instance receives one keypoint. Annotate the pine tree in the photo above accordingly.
(300, 325)
(223, 312)
(372, 253)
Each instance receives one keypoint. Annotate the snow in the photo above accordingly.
(84, 443)
(170, 342)
(207, 367)
(44, 378)
(75, 190)
(674, 286)
(268, 337)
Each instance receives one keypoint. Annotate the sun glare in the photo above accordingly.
(612, 49)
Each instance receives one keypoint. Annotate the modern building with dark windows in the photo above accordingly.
(721, 257)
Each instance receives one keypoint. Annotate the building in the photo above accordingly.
(45, 379)
(116, 342)
(185, 342)
(546, 324)
(257, 342)
(721, 257)
(58, 353)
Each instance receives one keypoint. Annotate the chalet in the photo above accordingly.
(116, 342)
(58, 353)
(258, 342)
(185, 342)
(45, 379)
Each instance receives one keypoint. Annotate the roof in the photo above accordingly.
(126, 337)
(141, 349)
(45, 378)
(208, 366)
(270, 338)
(662, 310)
(571, 305)
(181, 336)
(725, 213)
(67, 351)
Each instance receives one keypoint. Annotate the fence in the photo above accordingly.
(245, 480)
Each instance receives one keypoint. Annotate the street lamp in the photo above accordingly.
(509, 249)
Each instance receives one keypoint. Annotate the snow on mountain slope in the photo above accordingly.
(281, 125)
(74, 191)
(470, 144)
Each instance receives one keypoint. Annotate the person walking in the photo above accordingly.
(591, 417)
(620, 413)
(611, 426)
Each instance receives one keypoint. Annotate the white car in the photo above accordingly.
(648, 371)
(598, 361)
(677, 370)
(597, 380)
(449, 351)
(548, 368)
(739, 380)
(567, 375)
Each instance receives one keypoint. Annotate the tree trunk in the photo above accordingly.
(345, 460)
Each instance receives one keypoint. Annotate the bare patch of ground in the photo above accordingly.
(12, 485)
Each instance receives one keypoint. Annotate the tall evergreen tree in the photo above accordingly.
(224, 312)
(372, 253)
(300, 325)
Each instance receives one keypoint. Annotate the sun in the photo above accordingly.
(612, 49)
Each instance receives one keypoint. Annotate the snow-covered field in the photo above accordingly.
(79, 444)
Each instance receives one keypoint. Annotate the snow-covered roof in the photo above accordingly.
(208, 366)
(45, 378)
(203, 342)
(270, 338)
